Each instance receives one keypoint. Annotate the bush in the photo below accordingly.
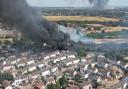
(6, 76)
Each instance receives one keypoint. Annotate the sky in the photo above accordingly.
(72, 3)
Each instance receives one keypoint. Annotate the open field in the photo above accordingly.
(110, 29)
(114, 41)
(114, 29)
(79, 18)
(88, 18)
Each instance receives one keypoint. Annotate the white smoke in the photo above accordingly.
(75, 35)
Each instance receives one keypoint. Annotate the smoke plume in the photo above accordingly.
(76, 36)
(30, 23)
(99, 4)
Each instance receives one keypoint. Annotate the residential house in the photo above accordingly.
(19, 59)
(126, 67)
(46, 57)
(22, 71)
(63, 57)
(73, 87)
(76, 61)
(53, 69)
(58, 75)
(105, 73)
(1, 68)
(12, 61)
(40, 64)
(35, 74)
(103, 65)
(54, 54)
(8, 87)
(50, 79)
(93, 65)
(83, 59)
(81, 66)
(101, 55)
(67, 63)
(21, 63)
(19, 79)
(45, 72)
(25, 54)
(86, 76)
(50, 55)
(45, 62)
(93, 70)
(71, 56)
(120, 85)
(7, 67)
(2, 58)
(17, 82)
(29, 62)
(24, 58)
(39, 86)
(85, 85)
(92, 76)
(55, 60)
(70, 73)
(32, 68)
(12, 57)
(90, 55)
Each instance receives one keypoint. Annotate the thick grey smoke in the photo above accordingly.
(30, 23)
(99, 4)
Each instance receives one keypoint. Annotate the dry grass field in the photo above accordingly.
(79, 18)
(88, 18)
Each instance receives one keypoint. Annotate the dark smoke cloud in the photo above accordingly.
(99, 4)
(30, 23)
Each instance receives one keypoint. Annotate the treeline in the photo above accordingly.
(83, 23)
(103, 35)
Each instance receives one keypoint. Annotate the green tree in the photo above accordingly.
(58, 85)
(119, 57)
(95, 84)
(78, 78)
(63, 82)
(0, 42)
(43, 80)
(7, 42)
(6, 76)
(81, 52)
(51, 86)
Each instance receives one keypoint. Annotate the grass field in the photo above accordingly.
(114, 29)
(111, 29)
(79, 18)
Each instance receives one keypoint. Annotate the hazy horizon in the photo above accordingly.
(73, 3)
